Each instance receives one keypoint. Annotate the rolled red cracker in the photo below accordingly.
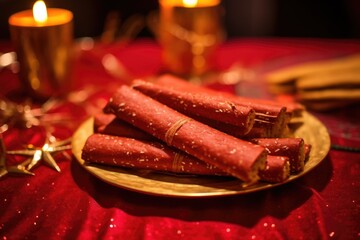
(137, 154)
(109, 124)
(197, 104)
(268, 111)
(293, 148)
(239, 158)
(277, 169)
(155, 156)
(265, 109)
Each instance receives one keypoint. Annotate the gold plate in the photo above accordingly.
(312, 131)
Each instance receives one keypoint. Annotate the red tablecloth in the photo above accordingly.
(73, 204)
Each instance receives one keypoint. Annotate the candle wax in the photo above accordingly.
(56, 16)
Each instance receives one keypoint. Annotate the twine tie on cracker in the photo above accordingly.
(176, 165)
(170, 133)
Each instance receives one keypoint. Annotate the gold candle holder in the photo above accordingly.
(43, 50)
(189, 32)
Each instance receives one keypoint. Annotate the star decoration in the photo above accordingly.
(20, 168)
(48, 115)
(27, 114)
(35, 156)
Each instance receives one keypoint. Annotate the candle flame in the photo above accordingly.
(190, 3)
(40, 11)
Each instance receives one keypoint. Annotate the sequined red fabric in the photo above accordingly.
(73, 204)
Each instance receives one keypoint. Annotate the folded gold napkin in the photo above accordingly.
(320, 85)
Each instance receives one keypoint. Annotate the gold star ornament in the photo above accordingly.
(35, 156)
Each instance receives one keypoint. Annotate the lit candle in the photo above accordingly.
(189, 32)
(42, 39)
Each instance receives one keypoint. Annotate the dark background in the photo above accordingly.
(242, 18)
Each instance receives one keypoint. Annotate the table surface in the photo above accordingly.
(73, 204)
